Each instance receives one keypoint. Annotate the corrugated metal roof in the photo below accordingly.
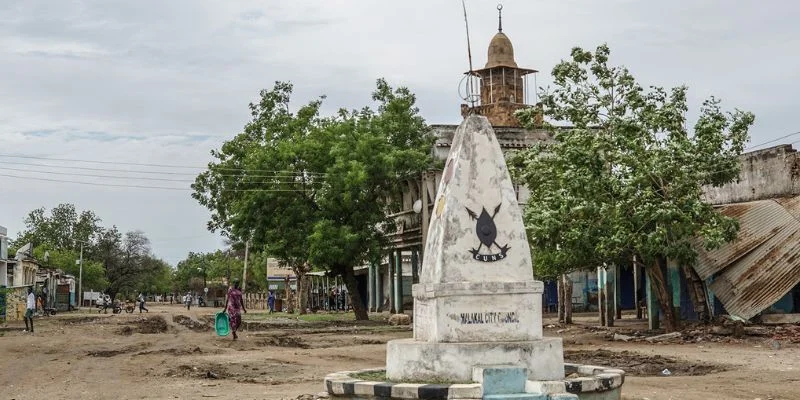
(763, 263)
(758, 220)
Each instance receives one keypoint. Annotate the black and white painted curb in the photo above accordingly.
(343, 384)
(591, 379)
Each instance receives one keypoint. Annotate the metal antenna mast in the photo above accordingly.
(470, 88)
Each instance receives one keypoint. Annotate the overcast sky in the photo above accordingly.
(164, 82)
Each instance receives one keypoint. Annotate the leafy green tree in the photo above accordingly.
(127, 260)
(626, 178)
(111, 261)
(67, 261)
(211, 268)
(157, 278)
(313, 191)
(63, 229)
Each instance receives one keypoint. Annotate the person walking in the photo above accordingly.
(188, 300)
(271, 302)
(30, 309)
(141, 303)
(234, 304)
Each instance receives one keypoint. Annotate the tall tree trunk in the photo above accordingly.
(697, 293)
(567, 299)
(663, 295)
(302, 297)
(560, 293)
(636, 298)
(355, 296)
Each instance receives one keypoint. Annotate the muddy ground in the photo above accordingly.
(172, 353)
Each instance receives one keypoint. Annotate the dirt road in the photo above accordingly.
(172, 353)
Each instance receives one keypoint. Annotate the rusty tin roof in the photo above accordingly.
(763, 263)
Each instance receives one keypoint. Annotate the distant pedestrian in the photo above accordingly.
(30, 308)
(234, 305)
(188, 300)
(140, 299)
(271, 302)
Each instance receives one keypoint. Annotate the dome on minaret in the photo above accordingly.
(501, 52)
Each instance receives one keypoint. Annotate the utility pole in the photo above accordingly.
(244, 274)
(80, 279)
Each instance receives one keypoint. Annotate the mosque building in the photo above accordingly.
(502, 89)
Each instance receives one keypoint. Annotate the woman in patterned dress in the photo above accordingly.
(234, 304)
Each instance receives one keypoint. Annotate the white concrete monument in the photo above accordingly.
(477, 302)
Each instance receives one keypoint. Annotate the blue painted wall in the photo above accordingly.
(551, 296)
(627, 298)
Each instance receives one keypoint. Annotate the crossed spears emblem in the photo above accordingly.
(487, 234)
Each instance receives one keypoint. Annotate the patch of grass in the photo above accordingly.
(380, 376)
(376, 376)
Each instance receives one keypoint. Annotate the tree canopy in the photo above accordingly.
(312, 190)
(64, 228)
(112, 262)
(626, 177)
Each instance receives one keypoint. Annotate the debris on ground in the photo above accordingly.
(146, 325)
(154, 324)
(622, 338)
(400, 319)
(664, 338)
(727, 332)
(638, 364)
(318, 396)
(283, 341)
(190, 323)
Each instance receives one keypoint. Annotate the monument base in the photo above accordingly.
(411, 360)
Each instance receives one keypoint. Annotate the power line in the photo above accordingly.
(99, 176)
(142, 186)
(156, 165)
(772, 141)
(279, 178)
(286, 175)
(94, 183)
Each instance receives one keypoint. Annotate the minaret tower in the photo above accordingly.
(503, 85)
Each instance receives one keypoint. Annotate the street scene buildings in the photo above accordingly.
(438, 294)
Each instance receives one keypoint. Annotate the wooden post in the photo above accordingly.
(327, 292)
(567, 299)
(652, 304)
(610, 280)
(636, 298)
(370, 287)
(399, 277)
(392, 289)
(375, 283)
(560, 296)
(312, 293)
(617, 292)
(601, 295)
(379, 286)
